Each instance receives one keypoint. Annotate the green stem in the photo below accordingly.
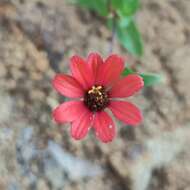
(113, 34)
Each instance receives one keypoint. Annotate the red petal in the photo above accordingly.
(68, 111)
(67, 86)
(127, 86)
(81, 126)
(110, 71)
(95, 61)
(81, 72)
(104, 126)
(126, 112)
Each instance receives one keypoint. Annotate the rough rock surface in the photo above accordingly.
(37, 37)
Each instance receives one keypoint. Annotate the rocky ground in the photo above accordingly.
(37, 37)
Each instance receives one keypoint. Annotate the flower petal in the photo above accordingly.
(81, 126)
(81, 72)
(68, 111)
(127, 86)
(67, 86)
(110, 71)
(104, 127)
(126, 112)
(95, 61)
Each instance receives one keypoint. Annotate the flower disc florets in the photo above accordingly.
(96, 99)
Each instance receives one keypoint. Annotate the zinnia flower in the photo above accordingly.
(97, 86)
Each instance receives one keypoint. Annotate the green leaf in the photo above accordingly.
(101, 6)
(151, 79)
(97, 5)
(125, 7)
(125, 21)
(130, 38)
(84, 3)
(127, 71)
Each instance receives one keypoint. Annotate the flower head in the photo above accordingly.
(96, 86)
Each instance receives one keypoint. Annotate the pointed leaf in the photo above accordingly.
(130, 38)
(151, 79)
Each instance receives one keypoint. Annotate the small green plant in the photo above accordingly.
(119, 15)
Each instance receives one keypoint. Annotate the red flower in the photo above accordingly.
(96, 85)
